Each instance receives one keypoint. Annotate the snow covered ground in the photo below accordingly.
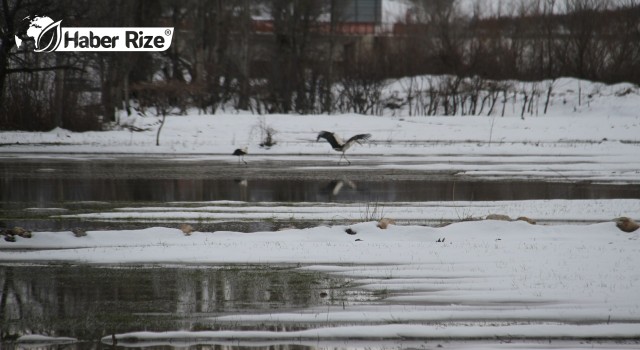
(487, 280)
(591, 132)
(435, 212)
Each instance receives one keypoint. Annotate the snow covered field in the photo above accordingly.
(487, 280)
(562, 211)
(590, 133)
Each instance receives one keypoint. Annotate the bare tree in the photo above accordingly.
(163, 99)
(583, 23)
(293, 22)
(23, 73)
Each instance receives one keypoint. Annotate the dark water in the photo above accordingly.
(88, 302)
(50, 191)
(46, 182)
(91, 302)
(87, 185)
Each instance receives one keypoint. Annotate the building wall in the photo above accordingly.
(358, 11)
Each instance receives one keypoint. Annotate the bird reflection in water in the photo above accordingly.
(336, 186)
(242, 186)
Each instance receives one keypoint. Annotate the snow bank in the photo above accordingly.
(404, 244)
(469, 280)
(417, 212)
(617, 331)
(584, 118)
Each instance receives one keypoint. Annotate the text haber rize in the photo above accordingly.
(133, 40)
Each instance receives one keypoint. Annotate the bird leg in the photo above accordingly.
(345, 158)
(245, 162)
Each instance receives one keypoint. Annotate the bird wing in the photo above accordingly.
(358, 138)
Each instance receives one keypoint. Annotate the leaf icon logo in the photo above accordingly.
(50, 38)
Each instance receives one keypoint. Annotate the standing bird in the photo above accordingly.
(339, 145)
(240, 152)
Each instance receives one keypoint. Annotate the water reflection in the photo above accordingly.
(241, 185)
(89, 303)
(45, 183)
(45, 192)
(335, 188)
(98, 185)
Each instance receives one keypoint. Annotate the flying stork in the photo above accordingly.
(336, 142)
(240, 152)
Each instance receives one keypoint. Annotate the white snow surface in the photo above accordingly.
(583, 119)
(590, 133)
(437, 212)
(487, 279)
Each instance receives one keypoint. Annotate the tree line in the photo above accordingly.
(295, 56)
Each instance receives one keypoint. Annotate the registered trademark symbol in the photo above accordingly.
(167, 32)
